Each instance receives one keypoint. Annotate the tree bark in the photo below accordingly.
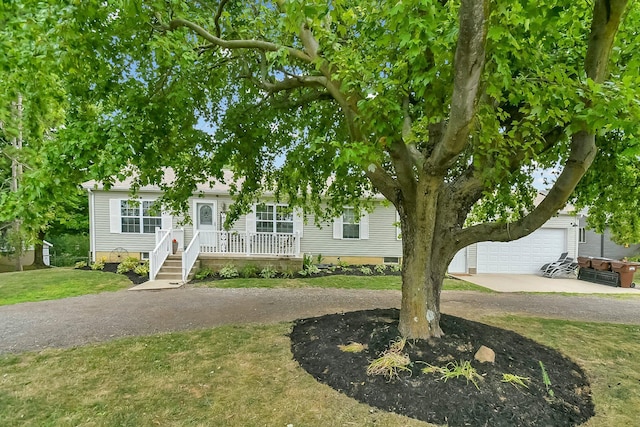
(38, 258)
(422, 276)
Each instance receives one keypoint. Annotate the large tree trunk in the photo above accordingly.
(38, 259)
(422, 266)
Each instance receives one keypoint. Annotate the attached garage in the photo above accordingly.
(523, 256)
(459, 262)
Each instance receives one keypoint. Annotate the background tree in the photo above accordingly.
(444, 107)
(30, 72)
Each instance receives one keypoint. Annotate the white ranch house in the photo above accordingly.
(274, 234)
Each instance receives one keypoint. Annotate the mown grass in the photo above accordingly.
(56, 283)
(229, 376)
(245, 376)
(337, 281)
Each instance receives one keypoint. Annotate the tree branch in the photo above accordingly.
(216, 19)
(607, 16)
(468, 65)
(383, 182)
(291, 83)
(235, 44)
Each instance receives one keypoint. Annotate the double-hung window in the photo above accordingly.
(274, 219)
(138, 217)
(350, 224)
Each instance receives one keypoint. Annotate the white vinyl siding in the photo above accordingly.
(326, 238)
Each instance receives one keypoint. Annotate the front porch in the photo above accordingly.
(222, 245)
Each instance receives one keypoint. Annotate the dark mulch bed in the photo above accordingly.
(112, 267)
(323, 271)
(314, 343)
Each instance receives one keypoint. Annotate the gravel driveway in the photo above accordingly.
(95, 318)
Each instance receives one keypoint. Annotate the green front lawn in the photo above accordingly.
(245, 376)
(337, 281)
(56, 283)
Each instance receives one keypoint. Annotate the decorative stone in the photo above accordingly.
(485, 354)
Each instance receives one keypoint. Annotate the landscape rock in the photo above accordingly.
(485, 354)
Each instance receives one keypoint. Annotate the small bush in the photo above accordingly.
(80, 264)
(343, 264)
(395, 267)
(303, 273)
(313, 269)
(98, 265)
(203, 273)
(288, 274)
(129, 264)
(307, 261)
(269, 272)
(229, 271)
(249, 271)
(142, 269)
(380, 268)
(365, 270)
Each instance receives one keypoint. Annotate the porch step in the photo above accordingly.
(172, 268)
(169, 276)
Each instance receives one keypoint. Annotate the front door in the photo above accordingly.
(205, 220)
(206, 216)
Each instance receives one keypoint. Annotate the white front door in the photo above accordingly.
(206, 216)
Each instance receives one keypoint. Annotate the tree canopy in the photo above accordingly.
(444, 107)
(31, 79)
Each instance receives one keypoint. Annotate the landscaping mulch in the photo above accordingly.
(112, 267)
(456, 402)
(324, 270)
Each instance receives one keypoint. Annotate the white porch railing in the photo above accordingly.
(245, 243)
(160, 253)
(227, 243)
(190, 256)
(177, 234)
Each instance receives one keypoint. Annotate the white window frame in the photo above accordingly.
(274, 221)
(115, 212)
(347, 222)
(363, 223)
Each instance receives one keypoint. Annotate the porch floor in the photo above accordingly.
(157, 285)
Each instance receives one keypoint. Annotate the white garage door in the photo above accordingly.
(523, 256)
(459, 262)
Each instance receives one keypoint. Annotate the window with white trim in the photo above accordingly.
(271, 218)
(582, 235)
(350, 224)
(138, 217)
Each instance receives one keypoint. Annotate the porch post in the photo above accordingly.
(297, 237)
(247, 243)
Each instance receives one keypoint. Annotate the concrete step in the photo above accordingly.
(168, 276)
(173, 263)
(170, 269)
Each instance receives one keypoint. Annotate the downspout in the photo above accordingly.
(92, 231)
